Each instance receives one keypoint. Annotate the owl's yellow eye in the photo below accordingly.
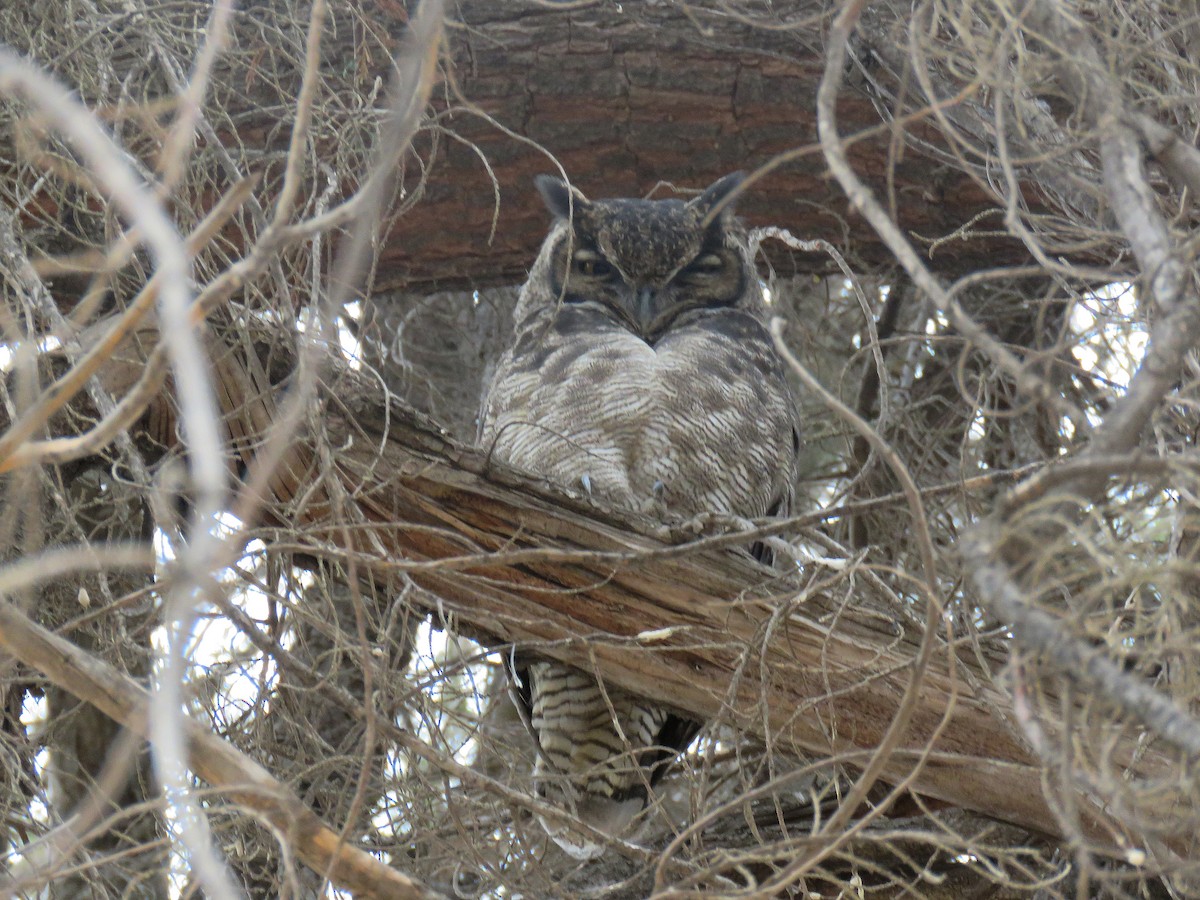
(592, 265)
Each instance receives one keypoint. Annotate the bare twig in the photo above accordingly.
(197, 405)
(215, 761)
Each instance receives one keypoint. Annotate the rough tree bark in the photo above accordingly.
(632, 98)
(626, 95)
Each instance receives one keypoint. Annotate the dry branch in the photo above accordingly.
(703, 632)
(697, 628)
(991, 549)
(240, 778)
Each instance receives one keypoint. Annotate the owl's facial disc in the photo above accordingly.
(647, 306)
(611, 271)
(646, 262)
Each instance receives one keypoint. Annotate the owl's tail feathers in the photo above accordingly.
(606, 814)
(600, 753)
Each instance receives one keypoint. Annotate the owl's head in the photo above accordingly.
(645, 263)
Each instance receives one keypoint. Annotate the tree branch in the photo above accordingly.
(707, 633)
(245, 781)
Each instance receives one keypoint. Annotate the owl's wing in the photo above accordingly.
(481, 420)
(783, 501)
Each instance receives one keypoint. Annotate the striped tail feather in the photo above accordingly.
(600, 750)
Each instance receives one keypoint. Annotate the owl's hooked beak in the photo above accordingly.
(645, 308)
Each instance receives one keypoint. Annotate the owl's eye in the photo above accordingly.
(704, 266)
(592, 265)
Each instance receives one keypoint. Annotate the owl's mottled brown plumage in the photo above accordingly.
(641, 371)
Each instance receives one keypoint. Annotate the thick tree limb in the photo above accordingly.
(625, 98)
(683, 94)
(695, 627)
(704, 632)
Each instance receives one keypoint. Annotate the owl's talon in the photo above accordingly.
(657, 489)
(586, 481)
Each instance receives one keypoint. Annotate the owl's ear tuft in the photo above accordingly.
(559, 197)
(718, 191)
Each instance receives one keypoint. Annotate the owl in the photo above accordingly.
(640, 371)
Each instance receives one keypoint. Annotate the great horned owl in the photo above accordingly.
(642, 372)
